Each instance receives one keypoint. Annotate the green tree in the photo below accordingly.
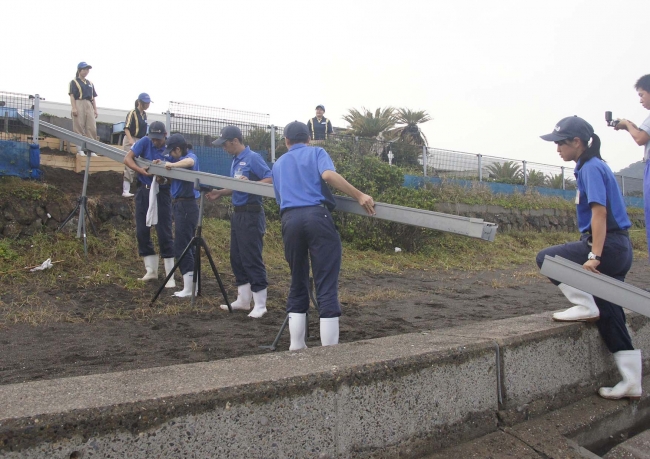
(364, 123)
(507, 172)
(408, 129)
(536, 178)
(555, 181)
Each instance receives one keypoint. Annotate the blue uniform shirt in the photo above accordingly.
(251, 165)
(297, 177)
(596, 184)
(181, 188)
(145, 149)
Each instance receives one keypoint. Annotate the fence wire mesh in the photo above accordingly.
(17, 158)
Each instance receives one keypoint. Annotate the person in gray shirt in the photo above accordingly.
(641, 135)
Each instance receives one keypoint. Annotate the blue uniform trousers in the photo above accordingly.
(616, 262)
(186, 217)
(310, 233)
(246, 243)
(163, 228)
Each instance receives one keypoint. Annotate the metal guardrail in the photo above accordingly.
(471, 227)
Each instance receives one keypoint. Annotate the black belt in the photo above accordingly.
(184, 199)
(620, 231)
(249, 208)
(304, 207)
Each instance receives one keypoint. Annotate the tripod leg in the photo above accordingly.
(171, 273)
(69, 217)
(83, 235)
(92, 225)
(196, 276)
(273, 346)
(216, 274)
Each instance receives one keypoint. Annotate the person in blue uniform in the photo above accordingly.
(319, 126)
(135, 128)
(179, 154)
(604, 248)
(82, 100)
(247, 225)
(151, 148)
(300, 181)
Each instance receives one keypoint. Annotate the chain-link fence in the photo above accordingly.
(17, 157)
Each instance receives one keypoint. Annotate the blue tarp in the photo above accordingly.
(19, 159)
(415, 181)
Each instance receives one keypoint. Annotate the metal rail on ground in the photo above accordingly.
(599, 285)
(466, 226)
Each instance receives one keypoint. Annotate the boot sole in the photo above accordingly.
(590, 319)
(631, 397)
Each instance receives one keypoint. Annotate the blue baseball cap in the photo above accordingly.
(144, 98)
(569, 128)
(296, 131)
(157, 130)
(320, 106)
(173, 141)
(228, 133)
(83, 65)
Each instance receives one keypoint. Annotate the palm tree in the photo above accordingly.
(366, 124)
(410, 131)
(536, 178)
(555, 181)
(507, 172)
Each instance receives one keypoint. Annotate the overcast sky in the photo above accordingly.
(494, 75)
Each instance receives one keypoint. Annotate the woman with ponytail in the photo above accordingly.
(604, 248)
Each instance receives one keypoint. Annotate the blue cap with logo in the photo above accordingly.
(83, 65)
(569, 128)
(321, 106)
(296, 131)
(173, 141)
(157, 130)
(228, 133)
(144, 98)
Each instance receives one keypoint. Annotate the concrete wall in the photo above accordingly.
(400, 396)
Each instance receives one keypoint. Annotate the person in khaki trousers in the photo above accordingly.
(82, 100)
(134, 129)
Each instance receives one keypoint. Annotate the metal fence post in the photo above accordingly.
(525, 174)
(480, 167)
(623, 184)
(35, 116)
(424, 159)
(272, 143)
(168, 121)
(563, 182)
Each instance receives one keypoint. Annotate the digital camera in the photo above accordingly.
(610, 122)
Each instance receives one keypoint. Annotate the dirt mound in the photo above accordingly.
(70, 182)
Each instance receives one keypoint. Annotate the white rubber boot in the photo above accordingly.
(188, 281)
(243, 301)
(151, 265)
(259, 308)
(297, 325)
(169, 264)
(630, 366)
(329, 331)
(585, 309)
(126, 189)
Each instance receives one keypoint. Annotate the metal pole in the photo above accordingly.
(35, 117)
(480, 167)
(424, 159)
(168, 121)
(83, 195)
(563, 184)
(525, 174)
(623, 184)
(272, 143)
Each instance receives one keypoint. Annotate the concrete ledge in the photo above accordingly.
(399, 396)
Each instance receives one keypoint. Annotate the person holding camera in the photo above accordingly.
(641, 135)
(604, 248)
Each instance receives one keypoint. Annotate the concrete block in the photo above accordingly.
(637, 447)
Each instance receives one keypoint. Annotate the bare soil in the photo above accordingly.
(374, 305)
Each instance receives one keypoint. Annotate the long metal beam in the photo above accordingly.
(599, 285)
(472, 227)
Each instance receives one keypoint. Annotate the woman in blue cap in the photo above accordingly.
(82, 100)
(604, 248)
(135, 128)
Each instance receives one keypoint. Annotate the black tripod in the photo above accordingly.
(82, 207)
(308, 335)
(196, 244)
